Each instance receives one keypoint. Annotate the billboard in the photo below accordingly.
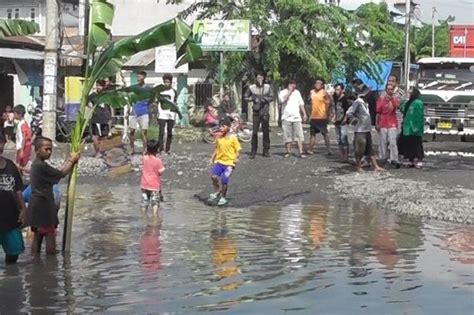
(222, 35)
(165, 60)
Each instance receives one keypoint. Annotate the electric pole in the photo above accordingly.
(433, 32)
(50, 70)
(407, 43)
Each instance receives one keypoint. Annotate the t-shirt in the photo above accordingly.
(168, 114)
(23, 136)
(386, 109)
(359, 113)
(227, 150)
(319, 107)
(341, 105)
(152, 168)
(42, 209)
(10, 184)
(292, 107)
(140, 108)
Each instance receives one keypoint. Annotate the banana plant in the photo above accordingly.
(104, 59)
(17, 28)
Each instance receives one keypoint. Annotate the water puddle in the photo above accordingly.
(329, 258)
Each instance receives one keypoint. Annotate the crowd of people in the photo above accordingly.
(398, 118)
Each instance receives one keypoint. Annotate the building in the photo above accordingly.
(21, 57)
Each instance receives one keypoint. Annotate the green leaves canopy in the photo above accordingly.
(17, 28)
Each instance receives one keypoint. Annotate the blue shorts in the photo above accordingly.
(223, 172)
(12, 242)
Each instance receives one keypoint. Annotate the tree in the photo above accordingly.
(17, 28)
(422, 40)
(304, 39)
(105, 58)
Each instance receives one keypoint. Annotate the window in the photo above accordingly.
(33, 15)
(17, 13)
(9, 14)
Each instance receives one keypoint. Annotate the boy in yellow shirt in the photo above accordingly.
(224, 158)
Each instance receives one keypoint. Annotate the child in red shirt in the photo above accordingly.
(23, 137)
(153, 168)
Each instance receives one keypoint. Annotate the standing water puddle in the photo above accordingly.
(337, 258)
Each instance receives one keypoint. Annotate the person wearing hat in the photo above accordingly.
(359, 116)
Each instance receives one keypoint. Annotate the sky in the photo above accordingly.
(463, 10)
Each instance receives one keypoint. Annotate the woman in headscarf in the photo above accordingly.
(411, 138)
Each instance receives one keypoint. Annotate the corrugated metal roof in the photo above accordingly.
(142, 59)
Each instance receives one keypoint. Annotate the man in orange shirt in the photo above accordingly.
(320, 102)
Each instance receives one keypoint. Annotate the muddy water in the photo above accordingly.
(329, 258)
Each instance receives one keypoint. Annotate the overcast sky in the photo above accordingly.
(463, 10)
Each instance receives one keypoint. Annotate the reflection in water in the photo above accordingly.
(150, 244)
(224, 256)
(334, 258)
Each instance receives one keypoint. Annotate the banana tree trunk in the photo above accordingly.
(71, 195)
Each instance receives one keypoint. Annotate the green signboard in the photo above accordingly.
(222, 35)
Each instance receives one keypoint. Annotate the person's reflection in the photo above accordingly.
(224, 255)
(384, 242)
(459, 243)
(317, 225)
(362, 226)
(150, 244)
(42, 285)
(291, 227)
(11, 290)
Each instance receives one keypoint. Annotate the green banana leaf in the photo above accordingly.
(102, 15)
(130, 95)
(173, 31)
(17, 28)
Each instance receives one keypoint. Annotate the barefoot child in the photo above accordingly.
(23, 137)
(359, 116)
(12, 208)
(151, 177)
(223, 159)
(42, 209)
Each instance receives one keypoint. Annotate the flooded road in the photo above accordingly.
(329, 258)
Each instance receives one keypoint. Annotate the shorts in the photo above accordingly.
(150, 198)
(12, 242)
(292, 131)
(45, 230)
(140, 122)
(318, 126)
(223, 172)
(100, 130)
(363, 144)
(342, 136)
(9, 132)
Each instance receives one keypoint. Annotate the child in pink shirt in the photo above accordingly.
(23, 137)
(153, 168)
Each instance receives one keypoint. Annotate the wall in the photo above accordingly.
(135, 16)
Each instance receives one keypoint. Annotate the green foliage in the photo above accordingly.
(17, 28)
(304, 39)
(422, 40)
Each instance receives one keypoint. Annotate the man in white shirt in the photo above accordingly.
(293, 115)
(167, 117)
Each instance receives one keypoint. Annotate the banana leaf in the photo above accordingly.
(173, 31)
(17, 28)
(102, 15)
(132, 94)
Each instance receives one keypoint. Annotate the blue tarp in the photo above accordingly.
(385, 70)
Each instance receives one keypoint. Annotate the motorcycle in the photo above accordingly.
(242, 129)
(63, 126)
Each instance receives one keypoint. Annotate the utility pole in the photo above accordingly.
(407, 43)
(50, 70)
(433, 32)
